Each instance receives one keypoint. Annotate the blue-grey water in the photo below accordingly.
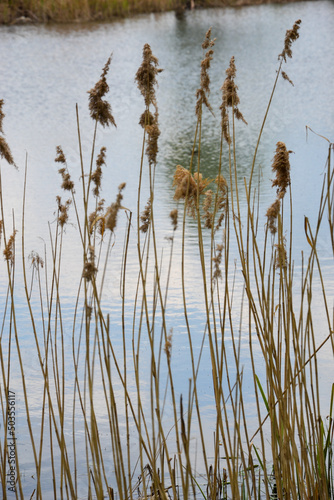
(47, 70)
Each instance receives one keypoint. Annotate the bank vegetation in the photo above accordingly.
(65, 11)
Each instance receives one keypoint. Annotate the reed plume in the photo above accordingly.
(112, 211)
(90, 269)
(168, 345)
(96, 176)
(207, 204)
(146, 217)
(272, 214)
(5, 151)
(285, 77)
(100, 109)
(230, 99)
(222, 199)
(36, 260)
(203, 92)
(186, 186)
(281, 167)
(146, 78)
(290, 37)
(217, 261)
(63, 211)
(67, 184)
(281, 258)
(96, 217)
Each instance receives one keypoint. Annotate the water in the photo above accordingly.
(46, 70)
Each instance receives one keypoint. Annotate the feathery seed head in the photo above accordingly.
(146, 217)
(100, 110)
(187, 186)
(146, 119)
(153, 133)
(60, 158)
(95, 218)
(146, 76)
(97, 174)
(9, 252)
(173, 215)
(67, 184)
(290, 37)
(281, 167)
(168, 345)
(36, 260)
(272, 214)
(208, 214)
(285, 77)
(203, 92)
(5, 152)
(112, 211)
(222, 199)
(281, 255)
(90, 270)
(216, 262)
(63, 211)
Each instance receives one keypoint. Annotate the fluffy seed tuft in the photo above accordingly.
(203, 92)
(8, 252)
(90, 269)
(216, 262)
(281, 167)
(97, 174)
(62, 216)
(146, 217)
(230, 99)
(272, 214)
(36, 260)
(186, 187)
(112, 211)
(100, 110)
(290, 37)
(146, 76)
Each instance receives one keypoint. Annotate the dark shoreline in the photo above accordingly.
(17, 15)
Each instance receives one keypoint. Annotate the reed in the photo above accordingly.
(144, 450)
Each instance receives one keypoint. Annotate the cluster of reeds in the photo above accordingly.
(37, 11)
(288, 452)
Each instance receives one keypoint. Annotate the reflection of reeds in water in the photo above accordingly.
(297, 462)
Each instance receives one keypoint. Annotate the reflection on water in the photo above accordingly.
(46, 70)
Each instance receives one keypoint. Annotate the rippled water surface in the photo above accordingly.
(47, 70)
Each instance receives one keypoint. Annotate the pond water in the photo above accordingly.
(47, 70)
